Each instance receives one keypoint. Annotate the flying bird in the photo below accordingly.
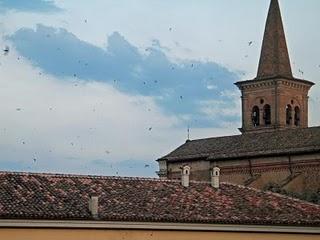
(250, 43)
(300, 71)
(146, 165)
(150, 128)
(6, 50)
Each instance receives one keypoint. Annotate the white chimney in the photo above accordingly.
(185, 176)
(94, 206)
(215, 175)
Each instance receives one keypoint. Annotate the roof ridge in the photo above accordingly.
(66, 175)
(268, 132)
(208, 138)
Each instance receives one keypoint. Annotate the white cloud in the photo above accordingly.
(76, 120)
(219, 108)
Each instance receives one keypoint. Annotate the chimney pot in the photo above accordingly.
(215, 177)
(185, 176)
(94, 206)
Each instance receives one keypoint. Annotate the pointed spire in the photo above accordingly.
(274, 59)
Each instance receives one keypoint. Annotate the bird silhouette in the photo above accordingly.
(300, 71)
(6, 50)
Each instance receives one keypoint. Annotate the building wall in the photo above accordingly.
(296, 173)
(199, 170)
(93, 234)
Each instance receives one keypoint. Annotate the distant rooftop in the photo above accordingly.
(65, 197)
(291, 141)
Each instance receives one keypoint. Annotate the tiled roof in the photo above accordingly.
(291, 141)
(274, 59)
(65, 197)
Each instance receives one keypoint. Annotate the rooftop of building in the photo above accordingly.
(280, 142)
(65, 197)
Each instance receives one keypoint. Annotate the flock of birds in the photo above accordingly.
(6, 51)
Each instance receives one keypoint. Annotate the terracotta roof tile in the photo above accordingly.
(62, 197)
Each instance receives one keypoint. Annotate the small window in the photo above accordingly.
(267, 114)
(288, 115)
(255, 116)
(297, 116)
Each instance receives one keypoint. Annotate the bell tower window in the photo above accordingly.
(288, 115)
(297, 116)
(267, 114)
(255, 116)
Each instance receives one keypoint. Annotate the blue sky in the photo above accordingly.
(30, 5)
(107, 87)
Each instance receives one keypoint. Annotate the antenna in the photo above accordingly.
(188, 136)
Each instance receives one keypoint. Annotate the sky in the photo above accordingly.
(108, 86)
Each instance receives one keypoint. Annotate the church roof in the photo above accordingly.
(291, 141)
(65, 197)
(274, 59)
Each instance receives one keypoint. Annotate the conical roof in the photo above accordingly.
(274, 59)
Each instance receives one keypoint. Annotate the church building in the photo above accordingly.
(276, 146)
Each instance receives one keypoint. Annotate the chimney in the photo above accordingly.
(215, 175)
(185, 176)
(94, 206)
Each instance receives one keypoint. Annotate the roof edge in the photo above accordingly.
(65, 175)
(256, 80)
(84, 224)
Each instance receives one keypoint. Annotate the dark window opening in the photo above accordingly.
(267, 114)
(288, 115)
(255, 116)
(297, 116)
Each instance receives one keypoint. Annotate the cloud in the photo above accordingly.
(176, 85)
(77, 126)
(65, 125)
(28, 6)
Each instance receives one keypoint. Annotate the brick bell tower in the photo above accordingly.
(275, 99)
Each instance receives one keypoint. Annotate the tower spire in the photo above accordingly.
(274, 59)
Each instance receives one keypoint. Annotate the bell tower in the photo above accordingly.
(275, 99)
